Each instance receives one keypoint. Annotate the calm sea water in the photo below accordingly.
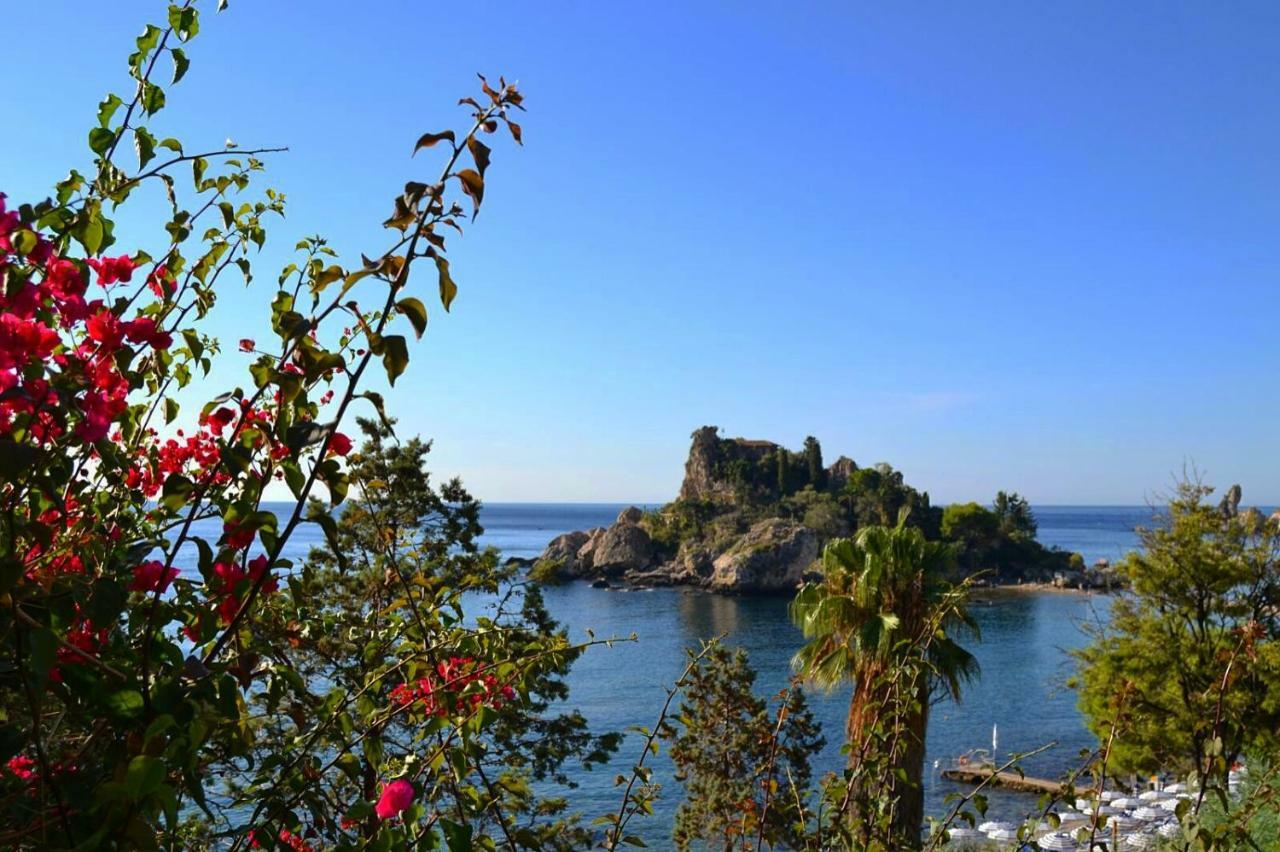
(1023, 654)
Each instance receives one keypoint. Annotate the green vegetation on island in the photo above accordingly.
(753, 516)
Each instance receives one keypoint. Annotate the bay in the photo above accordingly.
(1024, 655)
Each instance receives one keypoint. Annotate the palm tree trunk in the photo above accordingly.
(866, 708)
(910, 811)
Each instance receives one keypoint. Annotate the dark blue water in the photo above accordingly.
(1023, 653)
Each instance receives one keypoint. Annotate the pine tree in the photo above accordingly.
(813, 458)
(784, 472)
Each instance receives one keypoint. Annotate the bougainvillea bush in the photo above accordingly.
(128, 687)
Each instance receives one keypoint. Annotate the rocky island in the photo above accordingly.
(752, 517)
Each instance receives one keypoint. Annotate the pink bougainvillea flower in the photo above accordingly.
(105, 327)
(239, 536)
(152, 577)
(259, 566)
(161, 282)
(228, 608)
(396, 796)
(112, 269)
(22, 766)
(339, 444)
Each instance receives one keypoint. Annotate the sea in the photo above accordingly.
(1021, 699)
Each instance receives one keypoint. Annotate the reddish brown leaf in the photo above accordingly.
(479, 153)
(472, 185)
(429, 139)
(515, 132)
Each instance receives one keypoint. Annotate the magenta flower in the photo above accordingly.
(396, 796)
(152, 577)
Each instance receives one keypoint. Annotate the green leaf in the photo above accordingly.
(177, 488)
(395, 355)
(100, 139)
(456, 835)
(185, 21)
(145, 144)
(150, 37)
(416, 312)
(448, 288)
(106, 109)
(144, 775)
(350, 766)
(152, 98)
(126, 703)
(180, 63)
(92, 233)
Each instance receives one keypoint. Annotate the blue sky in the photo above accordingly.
(999, 245)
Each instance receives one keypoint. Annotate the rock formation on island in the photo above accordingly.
(753, 517)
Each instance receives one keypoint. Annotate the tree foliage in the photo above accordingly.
(883, 619)
(742, 764)
(458, 663)
(131, 689)
(1195, 645)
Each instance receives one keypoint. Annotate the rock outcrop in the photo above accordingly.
(710, 457)
(563, 550)
(623, 547)
(587, 553)
(774, 555)
(840, 471)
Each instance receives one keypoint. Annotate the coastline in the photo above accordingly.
(1035, 588)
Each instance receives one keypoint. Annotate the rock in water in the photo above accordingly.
(623, 547)
(564, 549)
(587, 553)
(772, 556)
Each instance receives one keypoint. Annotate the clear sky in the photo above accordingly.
(999, 245)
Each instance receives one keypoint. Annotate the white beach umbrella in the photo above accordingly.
(996, 825)
(1169, 829)
(964, 833)
(1058, 841)
(1147, 813)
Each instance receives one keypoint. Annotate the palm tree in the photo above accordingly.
(882, 618)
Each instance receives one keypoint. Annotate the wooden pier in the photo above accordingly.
(979, 773)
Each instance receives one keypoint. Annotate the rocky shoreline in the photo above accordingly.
(773, 556)
(753, 517)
